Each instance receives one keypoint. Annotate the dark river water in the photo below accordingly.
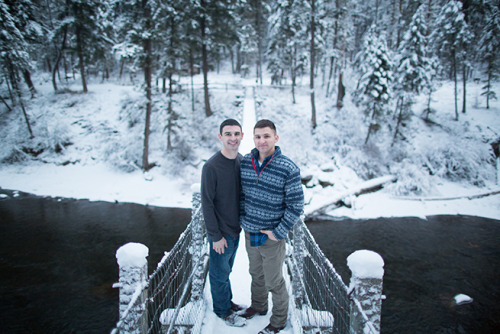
(427, 263)
(57, 259)
(57, 264)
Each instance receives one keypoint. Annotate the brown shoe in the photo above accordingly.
(251, 312)
(236, 307)
(270, 329)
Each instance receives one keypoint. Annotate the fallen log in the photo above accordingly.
(424, 199)
(363, 188)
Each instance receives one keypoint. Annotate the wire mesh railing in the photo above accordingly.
(322, 303)
(174, 302)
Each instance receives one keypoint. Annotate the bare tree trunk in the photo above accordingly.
(259, 41)
(488, 91)
(330, 74)
(371, 127)
(341, 92)
(455, 81)
(312, 53)
(147, 80)
(400, 103)
(80, 57)
(465, 87)
(59, 56)
(191, 66)
(16, 89)
(27, 79)
(208, 111)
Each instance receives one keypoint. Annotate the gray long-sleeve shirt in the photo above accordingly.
(220, 196)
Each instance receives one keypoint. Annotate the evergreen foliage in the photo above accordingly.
(374, 88)
(490, 44)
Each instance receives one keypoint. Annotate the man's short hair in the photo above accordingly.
(265, 123)
(227, 122)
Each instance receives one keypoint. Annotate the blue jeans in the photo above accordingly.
(220, 266)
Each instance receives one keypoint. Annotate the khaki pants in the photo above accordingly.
(266, 269)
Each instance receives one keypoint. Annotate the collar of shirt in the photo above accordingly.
(259, 165)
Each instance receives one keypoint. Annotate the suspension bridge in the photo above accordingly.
(176, 298)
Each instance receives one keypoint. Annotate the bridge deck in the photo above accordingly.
(240, 280)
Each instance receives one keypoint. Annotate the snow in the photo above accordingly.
(461, 299)
(88, 168)
(366, 264)
(132, 254)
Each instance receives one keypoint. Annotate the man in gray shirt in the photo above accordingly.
(220, 200)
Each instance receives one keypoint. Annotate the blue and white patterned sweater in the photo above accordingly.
(273, 200)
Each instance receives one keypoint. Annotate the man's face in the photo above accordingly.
(231, 137)
(265, 140)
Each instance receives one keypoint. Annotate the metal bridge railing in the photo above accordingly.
(174, 302)
(322, 302)
(171, 299)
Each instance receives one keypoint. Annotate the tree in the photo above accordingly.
(489, 46)
(374, 87)
(19, 33)
(134, 19)
(287, 51)
(413, 73)
(215, 20)
(312, 56)
(450, 37)
(254, 15)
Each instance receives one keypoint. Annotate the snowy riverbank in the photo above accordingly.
(99, 183)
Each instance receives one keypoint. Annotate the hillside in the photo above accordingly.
(104, 128)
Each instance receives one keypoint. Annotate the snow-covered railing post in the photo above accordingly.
(367, 269)
(298, 258)
(199, 253)
(132, 283)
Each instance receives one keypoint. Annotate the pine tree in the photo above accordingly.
(19, 33)
(374, 88)
(134, 18)
(288, 47)
(450, 37)
(414, 72)
(490, 44)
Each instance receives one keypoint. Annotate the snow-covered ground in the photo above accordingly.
(84, 173)
(87, 169)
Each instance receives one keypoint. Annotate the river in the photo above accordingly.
(57, 263)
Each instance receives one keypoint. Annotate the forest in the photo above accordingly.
(392, 50)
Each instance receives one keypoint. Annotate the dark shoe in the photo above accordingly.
(236, 307)
(270, 329)
(251, 312)
(234, 320)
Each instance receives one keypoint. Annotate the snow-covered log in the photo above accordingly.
(363, 188)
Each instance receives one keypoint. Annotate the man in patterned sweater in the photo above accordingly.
(272, 201)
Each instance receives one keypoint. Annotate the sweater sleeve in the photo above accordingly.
(208, 187)
(294, 204)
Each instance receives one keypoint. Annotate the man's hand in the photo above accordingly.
(220, 245)
(270, 234)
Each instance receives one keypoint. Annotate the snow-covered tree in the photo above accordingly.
(136, 31)
(19, 34)
(490, 46)
(450, 37)
(414, 71)
(338, 28)
(288, 42)
(373, 92)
